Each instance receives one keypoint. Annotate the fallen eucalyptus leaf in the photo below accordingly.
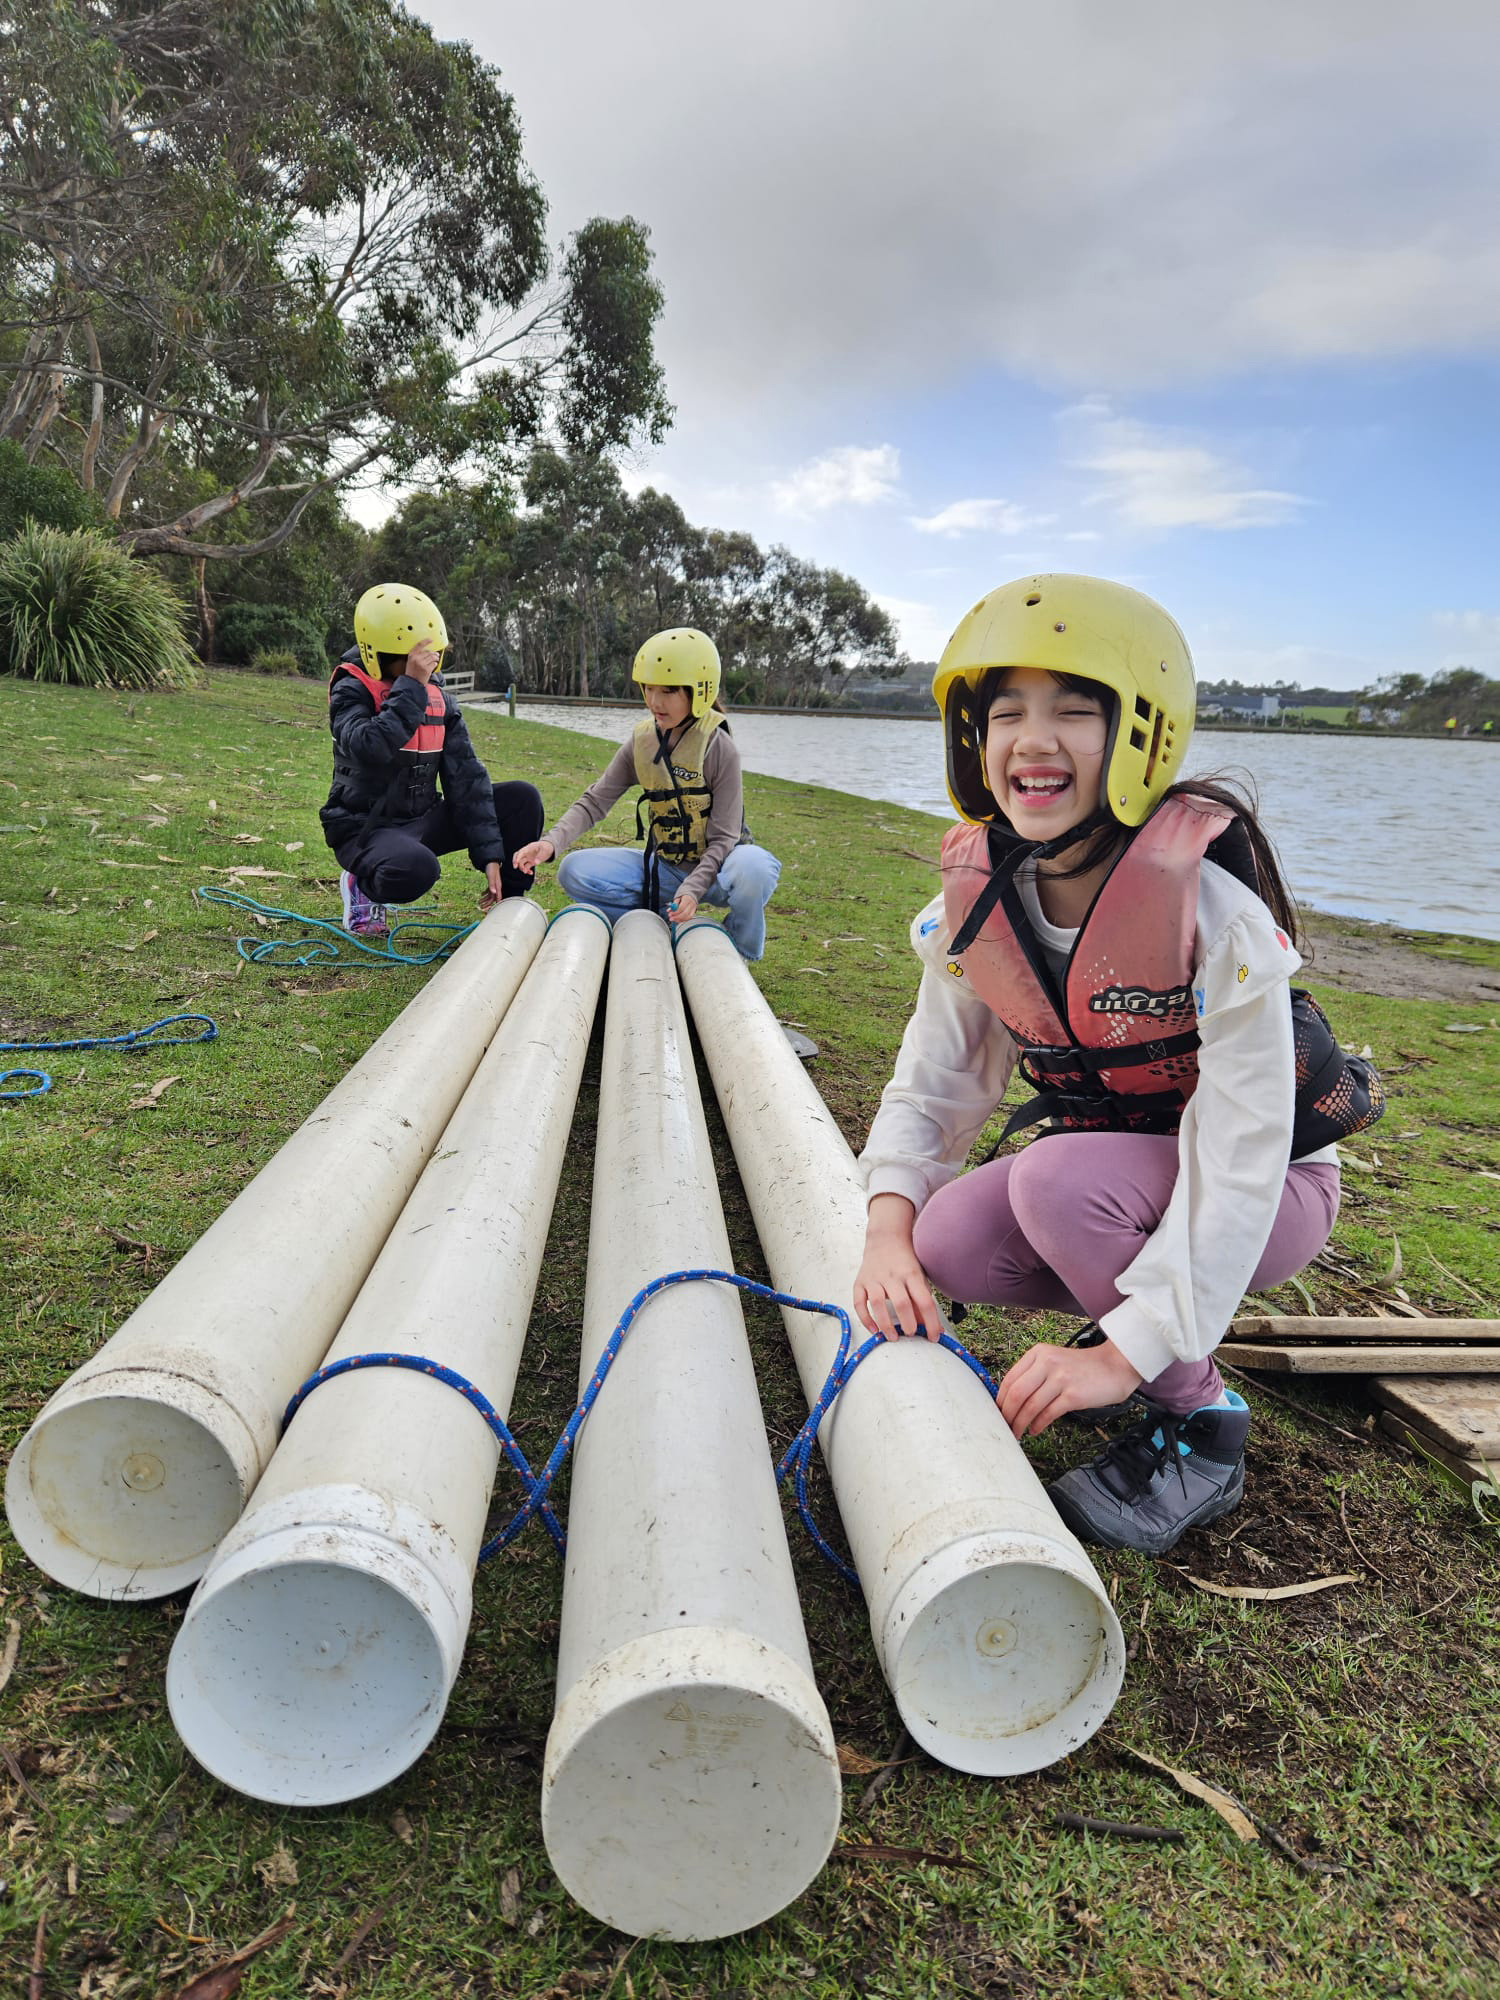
(1276, 1591)
(153, 1096)
(510, 1897)
(1232, 1814)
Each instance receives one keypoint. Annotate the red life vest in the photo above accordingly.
(426, 740)
(1114, 1047)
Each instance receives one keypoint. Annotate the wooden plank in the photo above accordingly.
(1361, 1360)
(1464, 1411)
(1285, 1326)
(1467, 1469)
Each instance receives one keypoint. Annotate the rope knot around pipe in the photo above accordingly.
(795, 1460)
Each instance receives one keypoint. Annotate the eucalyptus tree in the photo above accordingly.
(296, 243)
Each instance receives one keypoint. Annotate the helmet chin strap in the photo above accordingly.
(1013, 849)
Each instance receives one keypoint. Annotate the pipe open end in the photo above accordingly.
(307, 1681)
(691, 1787)
(1003, 1653)
(125, 1495)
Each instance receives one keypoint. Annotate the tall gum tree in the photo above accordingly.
(296, 243)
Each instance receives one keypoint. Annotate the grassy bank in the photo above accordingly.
(1359, 1724)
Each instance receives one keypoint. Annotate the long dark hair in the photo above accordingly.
(1244, 849)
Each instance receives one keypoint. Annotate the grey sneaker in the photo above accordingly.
(1158, 1478)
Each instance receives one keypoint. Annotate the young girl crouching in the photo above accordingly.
(1126, 941)
(697, 846)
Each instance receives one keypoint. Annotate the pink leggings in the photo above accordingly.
(1056, 1225)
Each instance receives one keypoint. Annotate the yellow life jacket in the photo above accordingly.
(673, 788)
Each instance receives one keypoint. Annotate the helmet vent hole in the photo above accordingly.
(1137, 739)
(1155, 751)
(1143, 708)
(1035, 597)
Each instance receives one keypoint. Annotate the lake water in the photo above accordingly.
(1400, 830)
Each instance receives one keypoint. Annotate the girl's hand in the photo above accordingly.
(527, 858)
(422, 661)
(1047, 1382)
(891, 1292)
(682, 908)
(489, 895)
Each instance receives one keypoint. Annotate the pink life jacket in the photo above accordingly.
(426, 740)
(1115, 1047)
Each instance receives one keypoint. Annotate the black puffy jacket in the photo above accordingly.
(381, 777)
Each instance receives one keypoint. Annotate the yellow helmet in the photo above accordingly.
(683, 657)
(392, 618)
(1099, 631)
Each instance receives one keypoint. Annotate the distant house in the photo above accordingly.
(1252, 707)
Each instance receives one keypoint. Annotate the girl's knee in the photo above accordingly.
(568, 876)
(1041, 1177)
(519, 805)
(943, 1237)
(406, 877)
(756, 871)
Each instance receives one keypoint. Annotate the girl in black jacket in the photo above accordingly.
(407, 785)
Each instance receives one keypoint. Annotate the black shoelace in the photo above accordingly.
(1139, 1453)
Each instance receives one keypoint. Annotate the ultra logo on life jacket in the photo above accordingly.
(672, 787)
(1138, 1000)
(1109, 1055)
(426, 740)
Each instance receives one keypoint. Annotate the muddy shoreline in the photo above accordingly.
(1399, 964)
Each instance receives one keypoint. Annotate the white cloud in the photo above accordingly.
(1083, 535)
(850, 475)
(924, 629)
(1473, 639)
(969, 517)
(1155, 479)
(1483, 626)
(1237, 188)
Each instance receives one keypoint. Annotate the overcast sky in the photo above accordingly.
(1203, 298)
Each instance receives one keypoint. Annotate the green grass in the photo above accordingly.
(1361, 1724)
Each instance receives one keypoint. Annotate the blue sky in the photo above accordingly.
(1207, 300)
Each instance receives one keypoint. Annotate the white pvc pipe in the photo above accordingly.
(142, 1460)
(318, 1654)
(990, 1622)
(691, 1786)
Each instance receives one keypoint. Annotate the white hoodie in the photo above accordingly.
(1184, 1285)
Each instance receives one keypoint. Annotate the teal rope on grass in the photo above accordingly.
(330, 950)
(132, 1038)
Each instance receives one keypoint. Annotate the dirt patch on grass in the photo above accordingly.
(1369, 958)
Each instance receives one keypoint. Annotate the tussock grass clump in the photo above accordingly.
(275, 660)
(76, 608)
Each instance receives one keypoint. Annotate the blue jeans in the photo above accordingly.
(609, 879)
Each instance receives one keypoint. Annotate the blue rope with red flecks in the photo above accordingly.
(133, 1038)
(795, 1459)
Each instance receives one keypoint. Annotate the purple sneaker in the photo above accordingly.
(362, 918)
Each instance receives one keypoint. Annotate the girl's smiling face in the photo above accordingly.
(668, 705)
(1044, 752)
